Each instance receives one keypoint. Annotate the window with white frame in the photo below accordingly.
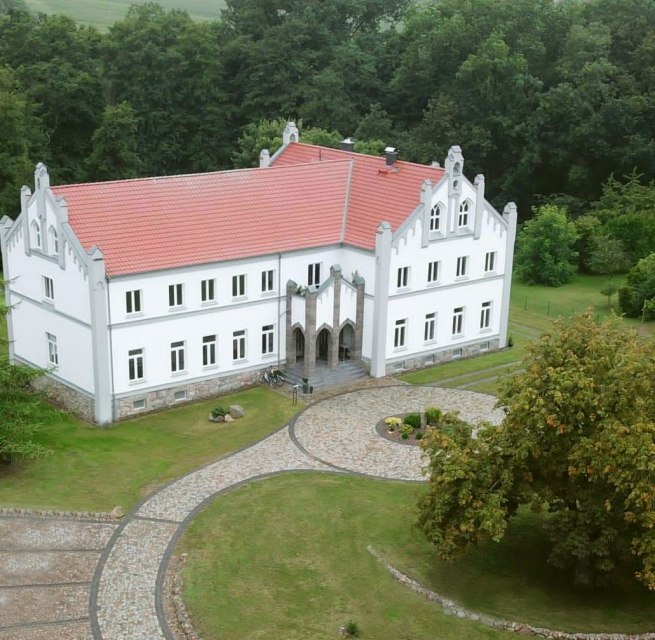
(435, 218)
(268, 281)
(314, 274)
(135, 364)
(402, 279)
(209, 350)
(462, 264)
(490, 262)
(133, 301)
(268, 341)
(463, 218)
(53, 240)
(175, 295)
(433, 272)
(239, 345)
(53, 354)
(399, 333)
(239, 285)
(177, 356)
(208, 290)
(430, 332)
(48, 288)
(36, 234)
(458, 320)
(485, 315)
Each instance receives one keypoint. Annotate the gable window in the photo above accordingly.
(36, 234)
(267, 281)
(267, 339)
(175, 295)
(435, 218)
(430, 327)
(239, 345)
(208, 290)
(239, 286)
(490, 262)
(209, 351)
(461, 266)
(402, 279)
(314, 274)
(485, 315)
(135, 364)
(133, 301)
(53, 354)
(433, 272)
(399, 333)
(48, 289)
(53, 240)
(458, 320)
(463, 219)
(177, 356)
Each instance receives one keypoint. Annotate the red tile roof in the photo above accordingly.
(298, 202)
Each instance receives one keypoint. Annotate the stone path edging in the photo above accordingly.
(91, 516)
(452, 608)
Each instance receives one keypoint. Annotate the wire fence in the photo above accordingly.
(554, 308)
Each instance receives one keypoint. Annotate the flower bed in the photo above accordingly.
(411, 428)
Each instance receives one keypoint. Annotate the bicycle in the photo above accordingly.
(273, 377)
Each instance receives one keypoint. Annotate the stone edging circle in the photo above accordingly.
(452, 608)
(383, 432)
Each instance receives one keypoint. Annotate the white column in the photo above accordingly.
(380, 303)
(510, 215)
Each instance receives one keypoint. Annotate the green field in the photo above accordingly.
(103, 13)
(287, 558)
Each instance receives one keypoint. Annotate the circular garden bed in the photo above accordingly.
(411, 428)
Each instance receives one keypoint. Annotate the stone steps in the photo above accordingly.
(324, 377)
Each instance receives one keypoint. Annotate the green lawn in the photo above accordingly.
(103, 13)
(286, 558)
(95, 469)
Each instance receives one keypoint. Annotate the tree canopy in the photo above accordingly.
(577, 443)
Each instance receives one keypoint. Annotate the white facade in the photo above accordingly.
(431, 290)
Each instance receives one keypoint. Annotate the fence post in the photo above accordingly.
(525, 304)
(548, 310)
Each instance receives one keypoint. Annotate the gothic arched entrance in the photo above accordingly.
(299, 341)
(346, 342)
(323, 345)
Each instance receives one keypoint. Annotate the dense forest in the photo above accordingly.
(547, 98)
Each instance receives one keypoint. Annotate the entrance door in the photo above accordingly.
(346, 342)
(322, 345)
(300, 344)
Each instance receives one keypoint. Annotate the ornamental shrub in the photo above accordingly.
(413, 420)
(433, 415)
(219, 411)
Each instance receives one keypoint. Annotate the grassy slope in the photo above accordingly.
(304, 537)
(95, 469)
(103, 13)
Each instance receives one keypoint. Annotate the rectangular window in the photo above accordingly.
(267, 339)
(490, 262)
(433, 272)
(430, 327)
(485, 315)
(458, 320)
(267, 281)
(178, 396)
(461, 266)
(48, 288)
(177, 356)
(133, 301)
(208, 350)
(314, 274)
(402, 279)
(238, 286)
(399, 333)
(175, 298)
(239, 345)
(208, 290)
(135, 364)
(53, 354)
(139, 404)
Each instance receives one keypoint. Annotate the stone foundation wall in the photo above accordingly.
(183, 392)
(438, 356)
(64, 396)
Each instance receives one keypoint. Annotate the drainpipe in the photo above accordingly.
(279, 306)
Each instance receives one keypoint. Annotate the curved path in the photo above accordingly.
(334, 435)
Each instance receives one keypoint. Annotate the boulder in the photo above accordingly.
(229, 418)
(237, 411)
(216, 418)
(117, 513)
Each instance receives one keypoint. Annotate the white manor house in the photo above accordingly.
(139, 294)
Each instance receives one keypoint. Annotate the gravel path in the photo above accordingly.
(93, 581)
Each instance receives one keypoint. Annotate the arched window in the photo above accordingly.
(435, 218)
(36, 234)
(464, 208)
(53, 240)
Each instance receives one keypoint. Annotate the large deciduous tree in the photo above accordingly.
(639, 289)
(545, 248)
(577, 443)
